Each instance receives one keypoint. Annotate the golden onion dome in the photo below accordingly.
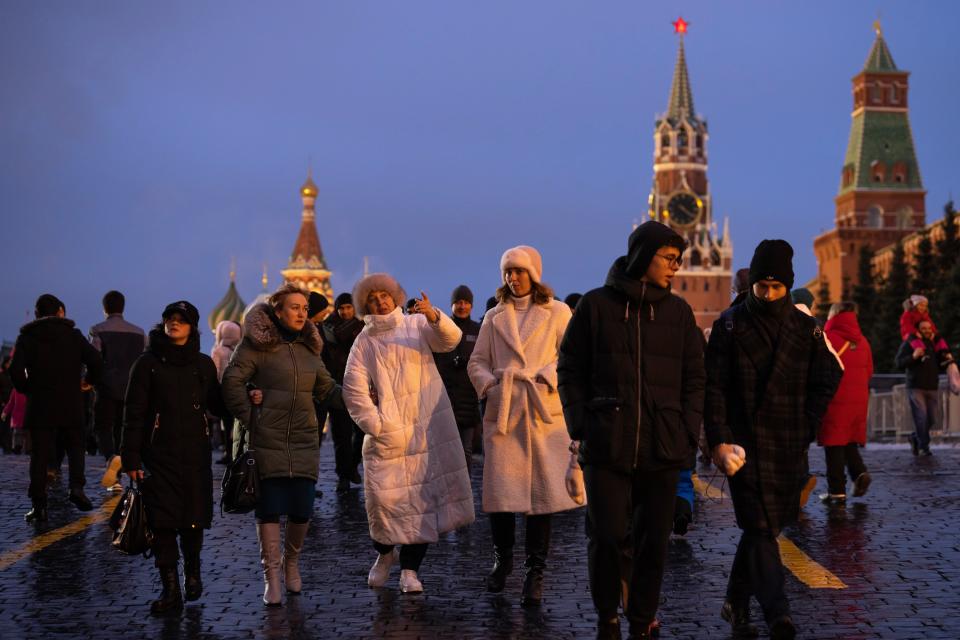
(309, 188)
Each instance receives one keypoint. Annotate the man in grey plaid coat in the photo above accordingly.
(770, 378)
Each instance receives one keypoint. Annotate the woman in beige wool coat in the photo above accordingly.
(525, 441)
(414, 471)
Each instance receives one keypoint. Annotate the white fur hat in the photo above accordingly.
(916, 299)
(376, 282)
(522, 257)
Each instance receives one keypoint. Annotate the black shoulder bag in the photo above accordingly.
(240, 487)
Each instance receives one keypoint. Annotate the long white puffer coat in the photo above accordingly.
(525, 441)
(415, 474)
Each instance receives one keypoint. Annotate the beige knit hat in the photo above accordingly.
(522, 257)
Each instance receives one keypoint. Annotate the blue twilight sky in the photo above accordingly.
(144, 144)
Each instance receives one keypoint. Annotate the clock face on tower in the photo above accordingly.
(684, 209)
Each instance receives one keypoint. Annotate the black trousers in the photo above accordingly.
(165, 545)
(758, 571)
(107, 424)
(347, 443)
(411, 555)
(839, 457)
(629, 520)
(44, 452)
(536, 543)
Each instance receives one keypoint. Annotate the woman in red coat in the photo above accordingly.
(844, 427)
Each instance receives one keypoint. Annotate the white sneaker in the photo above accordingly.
(112, 475)
(409, 582)
(116, 488)
(380, 571)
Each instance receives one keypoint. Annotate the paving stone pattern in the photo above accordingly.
(897, 550)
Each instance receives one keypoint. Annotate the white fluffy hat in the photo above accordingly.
(376, 282)
(916, 299)
(522, 257)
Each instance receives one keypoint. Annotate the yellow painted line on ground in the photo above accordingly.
(44, 540)
(806, 569)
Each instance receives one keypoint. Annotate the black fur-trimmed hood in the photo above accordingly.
(260, 332)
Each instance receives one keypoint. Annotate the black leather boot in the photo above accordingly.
(537, 545)
(192, 584)
(170, 598)
(37, 514)
(739, 618)
(502, 567)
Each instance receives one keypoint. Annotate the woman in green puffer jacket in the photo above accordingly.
(280, 356)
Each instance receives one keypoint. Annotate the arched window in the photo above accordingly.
(682, 141)
(695, 260)
(664, 142)
(698, 143)
(894, 94)
(706, 285)
(900, 172)
(905, 218)
(683, 285)
(875, 217)
(875, 96)
(878, 171)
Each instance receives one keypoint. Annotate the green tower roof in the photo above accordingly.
(880, 58)
(229, 308)
(681, 97)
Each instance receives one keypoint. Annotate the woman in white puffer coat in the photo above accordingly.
(525, 441)
(415, 474)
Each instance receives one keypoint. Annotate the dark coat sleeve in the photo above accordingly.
(694, 378)
(215, 404)
(91, 358)
(823, 380)
(326, 391)
(136, 406)
(18, 367)
(720, 377)
(904, 358)
(574, 369)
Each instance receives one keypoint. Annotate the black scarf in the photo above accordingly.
(175, 354)
(769, 317)
(286, 334)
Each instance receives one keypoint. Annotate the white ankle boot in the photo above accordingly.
(409, 582)
(380, 571)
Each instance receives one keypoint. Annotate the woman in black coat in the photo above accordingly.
(166, 432)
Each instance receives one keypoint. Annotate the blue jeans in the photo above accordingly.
(925, 407)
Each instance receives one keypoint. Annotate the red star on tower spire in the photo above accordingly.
(680, 26)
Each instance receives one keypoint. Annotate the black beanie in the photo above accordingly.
(772, 260)
(342, 299)
(645, 241)
(316, 303)
(461, 293)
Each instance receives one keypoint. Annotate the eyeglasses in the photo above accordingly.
(671, 260)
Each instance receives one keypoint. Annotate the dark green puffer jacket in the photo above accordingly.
(290, 375)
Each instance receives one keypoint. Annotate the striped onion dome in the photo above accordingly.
(231, 307)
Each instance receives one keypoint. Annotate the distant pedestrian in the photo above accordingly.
(923, 363)
(226, 338)
(340, 331)
(415, 478)
(844, 427)
(526, 446)
(632, 380)
(120, 343)
(14, 411)
(47, 368)
(741, 286)
(453, 369)
(572, 299)
(280, 357)
(6, 388)
(166, 445)
(318, 310)
(770, 378)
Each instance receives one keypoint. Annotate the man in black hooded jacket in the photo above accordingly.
(631, 379)
(47, 368)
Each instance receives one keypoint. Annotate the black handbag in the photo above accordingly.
(131, 532)
(240, 487)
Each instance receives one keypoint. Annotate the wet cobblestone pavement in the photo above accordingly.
(896, 553)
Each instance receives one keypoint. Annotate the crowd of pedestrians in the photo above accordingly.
(620, 377)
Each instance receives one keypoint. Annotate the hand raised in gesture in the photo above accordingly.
(423, 306)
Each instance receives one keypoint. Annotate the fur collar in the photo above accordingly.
(262, 334)
(47, 321)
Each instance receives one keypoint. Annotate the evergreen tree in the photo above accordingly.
(822, 308)
(924, 266)
(948, 247)
(886, 332)
(865, 292)
(948, 316)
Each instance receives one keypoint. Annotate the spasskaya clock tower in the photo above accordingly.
(680, 198)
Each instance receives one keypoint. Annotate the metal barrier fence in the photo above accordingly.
(889, 418)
